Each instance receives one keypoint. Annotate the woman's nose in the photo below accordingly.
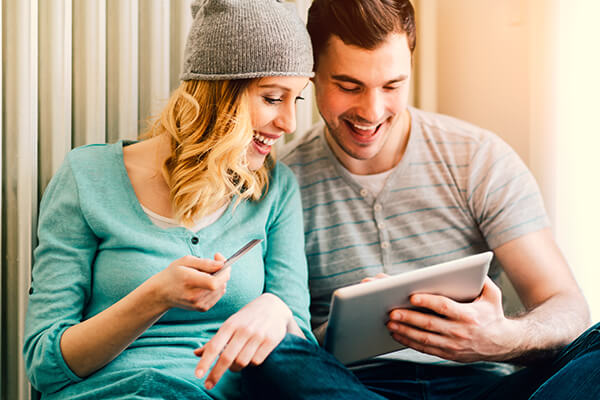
(286, 121)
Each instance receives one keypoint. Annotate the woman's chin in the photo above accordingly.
(255, 161)
(255, 158)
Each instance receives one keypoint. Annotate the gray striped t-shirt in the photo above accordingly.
(459, 190)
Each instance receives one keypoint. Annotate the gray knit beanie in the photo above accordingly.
(239, 39)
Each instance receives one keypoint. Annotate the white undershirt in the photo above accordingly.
(166, 223)
(373, 183)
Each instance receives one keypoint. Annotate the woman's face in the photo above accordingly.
(273, 112)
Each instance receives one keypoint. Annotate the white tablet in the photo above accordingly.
(358, 313)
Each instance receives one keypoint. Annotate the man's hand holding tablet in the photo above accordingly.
(453, 329)
(362, 316)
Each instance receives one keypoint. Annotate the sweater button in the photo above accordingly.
(195, 240)
(30, 290)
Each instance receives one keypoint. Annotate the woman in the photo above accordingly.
(124, 298)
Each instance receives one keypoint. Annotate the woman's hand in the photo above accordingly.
(188, 283)
(247, 337)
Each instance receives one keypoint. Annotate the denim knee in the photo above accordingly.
(588, 340)
(300, 369)
(286, 353)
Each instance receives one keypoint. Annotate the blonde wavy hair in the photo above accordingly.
(210, 129)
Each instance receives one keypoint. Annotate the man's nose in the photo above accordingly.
(372, 106)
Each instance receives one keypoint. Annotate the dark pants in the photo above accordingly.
(298, 369)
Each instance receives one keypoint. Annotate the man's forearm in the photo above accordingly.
(545, 329)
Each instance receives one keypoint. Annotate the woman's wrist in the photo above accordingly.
(153, 296)
(290, 323)
(294, 329)
(284, 308)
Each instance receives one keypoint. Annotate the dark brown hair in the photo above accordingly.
(362, 23)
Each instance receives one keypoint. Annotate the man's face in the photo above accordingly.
(362, 95)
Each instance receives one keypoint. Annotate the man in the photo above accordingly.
(388, 188)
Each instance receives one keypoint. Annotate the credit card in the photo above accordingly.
(236, 256)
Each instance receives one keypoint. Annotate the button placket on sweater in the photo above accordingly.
(384, 242)
(193, 241)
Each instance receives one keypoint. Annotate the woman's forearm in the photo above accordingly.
(91, 344)
(188, 282)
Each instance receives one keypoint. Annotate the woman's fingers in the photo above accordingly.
(234, 351)
(206, 301)
(211, 350)
(246, 355)
(226, 359)
(263, 351)
(202, 264)
(194, 279)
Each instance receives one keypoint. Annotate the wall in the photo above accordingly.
(483, 66)
(577, 141)
(527, 69)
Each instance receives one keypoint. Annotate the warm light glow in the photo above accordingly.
(578, 143)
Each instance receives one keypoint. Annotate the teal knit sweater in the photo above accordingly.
(96, 245)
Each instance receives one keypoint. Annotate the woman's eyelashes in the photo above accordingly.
(272, 100)
(279, 99)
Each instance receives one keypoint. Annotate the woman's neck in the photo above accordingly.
(143, 162)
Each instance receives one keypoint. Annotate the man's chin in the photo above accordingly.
(363, 155)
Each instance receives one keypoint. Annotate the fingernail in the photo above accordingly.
(393, 326)
(208, 385)
(199, 373)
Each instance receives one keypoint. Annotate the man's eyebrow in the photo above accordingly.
(349, 79)
(346, 78)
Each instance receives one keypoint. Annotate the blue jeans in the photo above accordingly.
(298, 369)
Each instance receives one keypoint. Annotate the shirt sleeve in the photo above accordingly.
(61, 282)
(503, 195)
(286, 272)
